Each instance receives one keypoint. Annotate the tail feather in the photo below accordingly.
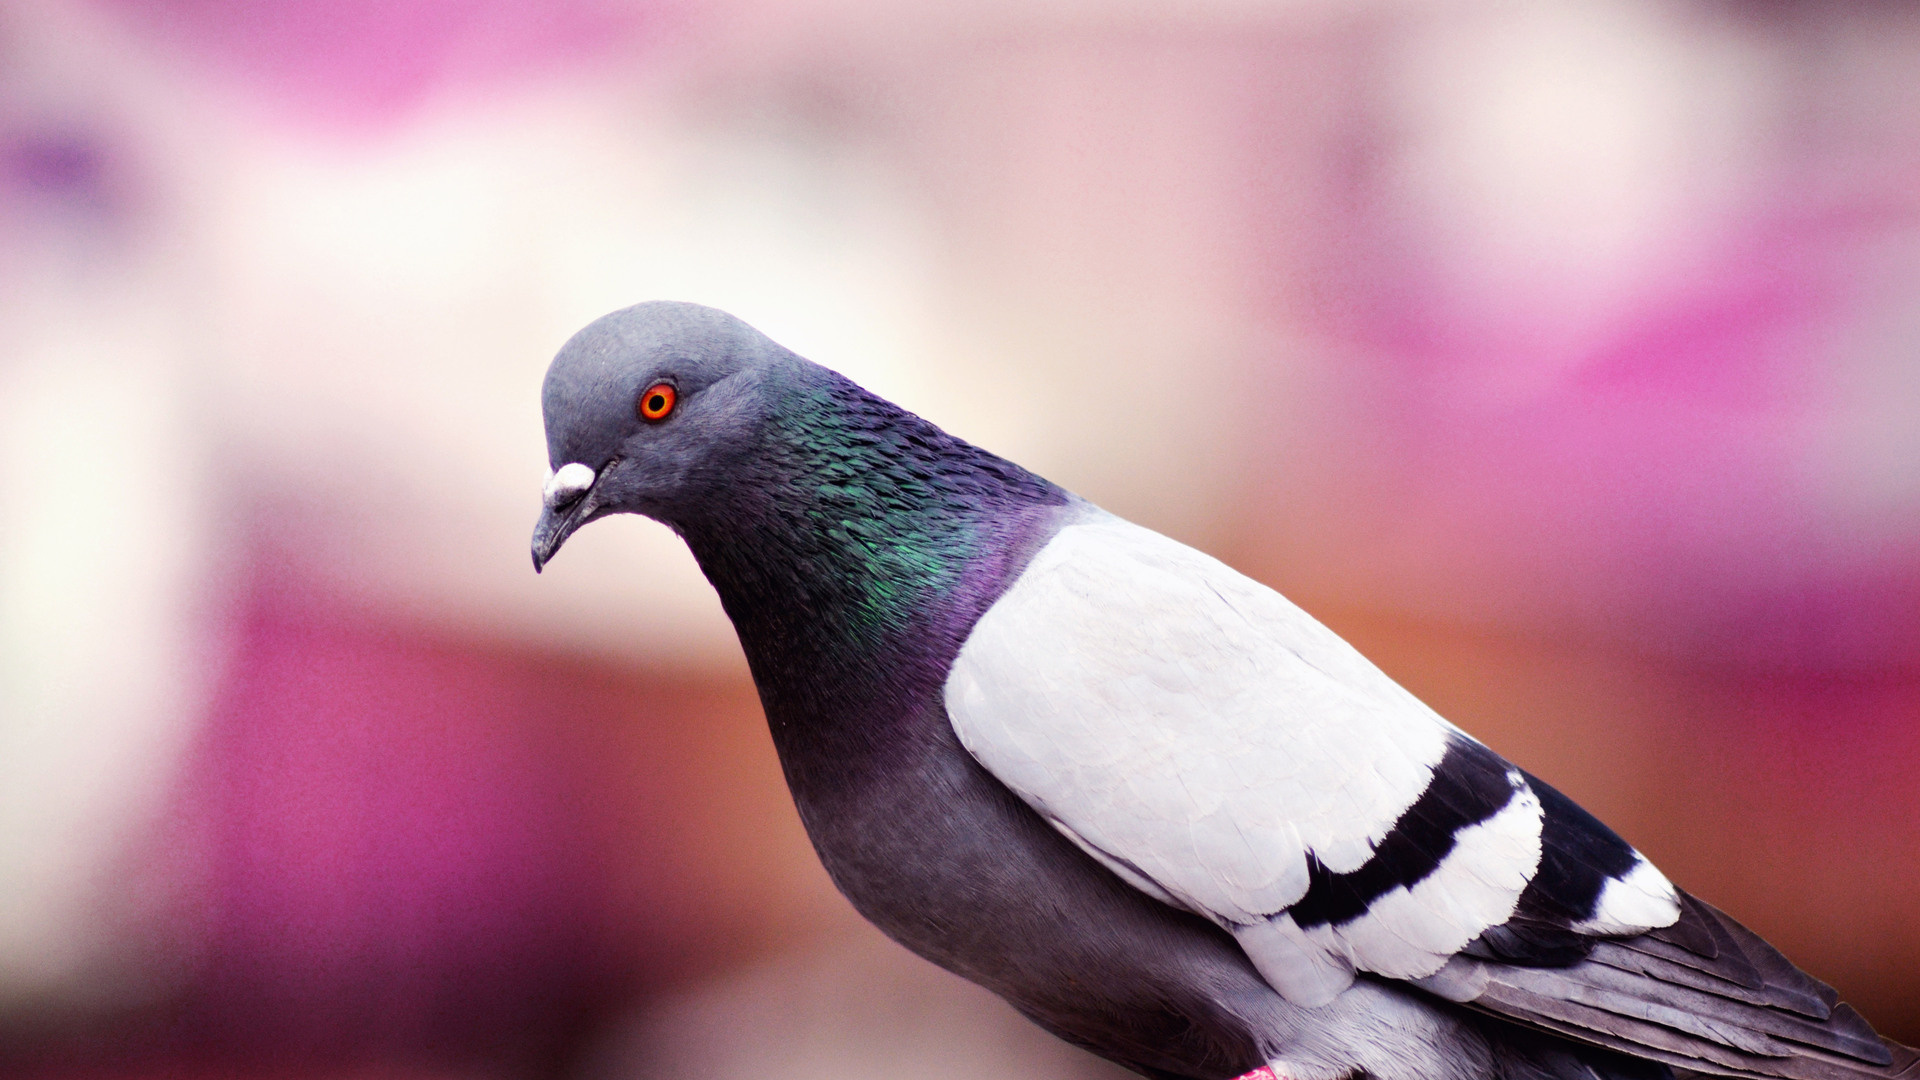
(1738, 954)
(1707, 1049)
(1705, 996)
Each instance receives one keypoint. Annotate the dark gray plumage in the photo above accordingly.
(1163, 812)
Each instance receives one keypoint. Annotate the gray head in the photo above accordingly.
(645, 410)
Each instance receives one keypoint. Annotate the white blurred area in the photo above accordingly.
(108, 544)
(1093, 238)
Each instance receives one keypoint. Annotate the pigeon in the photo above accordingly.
(1159, 809)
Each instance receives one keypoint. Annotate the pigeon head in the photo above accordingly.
(796, 489)
(646, 409)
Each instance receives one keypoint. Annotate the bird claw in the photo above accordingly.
(1264, 1072)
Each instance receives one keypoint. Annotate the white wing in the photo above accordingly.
(1221, 750)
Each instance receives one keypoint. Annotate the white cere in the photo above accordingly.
(572, 479)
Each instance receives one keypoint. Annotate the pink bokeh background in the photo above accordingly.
(1565, 357)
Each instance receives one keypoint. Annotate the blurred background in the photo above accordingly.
(1562, 354)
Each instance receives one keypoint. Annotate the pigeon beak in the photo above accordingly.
(564, 505)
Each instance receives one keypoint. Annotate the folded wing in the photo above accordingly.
(1221, 750)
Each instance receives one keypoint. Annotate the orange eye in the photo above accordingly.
(656, 402)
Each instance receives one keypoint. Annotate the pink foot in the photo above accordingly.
(1261, 1073)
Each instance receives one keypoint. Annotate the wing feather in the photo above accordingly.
(1191, 728)
(1222, 751)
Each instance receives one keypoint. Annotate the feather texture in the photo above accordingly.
(1222, 751)
(1706, 995)
(1217, 747)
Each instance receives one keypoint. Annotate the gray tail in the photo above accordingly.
(1705, 996)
